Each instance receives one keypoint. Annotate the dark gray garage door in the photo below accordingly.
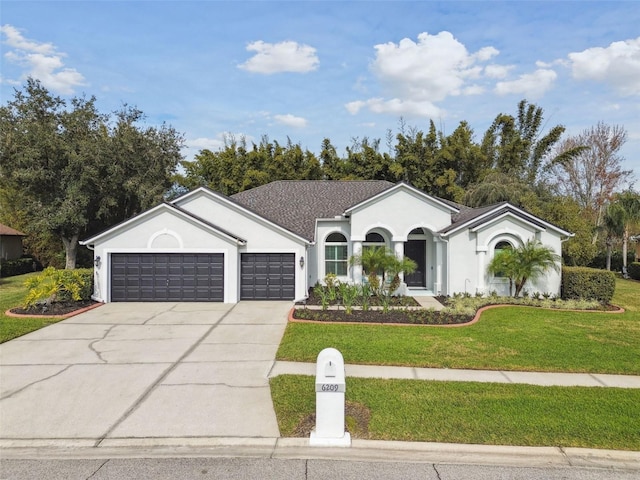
(267, 276)
(164, 277)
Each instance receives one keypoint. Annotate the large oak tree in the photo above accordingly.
(73, 170)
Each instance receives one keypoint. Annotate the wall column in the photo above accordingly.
(356, 271)
(482, 256)
(437, 285)
(398, 249)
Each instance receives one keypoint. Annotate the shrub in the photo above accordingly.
(634, 270)
(11, 268)
(583, 283)
(58, 286)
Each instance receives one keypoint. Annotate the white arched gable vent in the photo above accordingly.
(165, 239)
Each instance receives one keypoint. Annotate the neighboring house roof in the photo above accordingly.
(4, 230)
(296, 204)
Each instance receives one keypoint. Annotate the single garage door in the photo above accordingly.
(267, 276)
(167, 277)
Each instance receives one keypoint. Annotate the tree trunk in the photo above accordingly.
(71, 251)
(609, 248)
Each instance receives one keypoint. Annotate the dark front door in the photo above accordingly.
(267, 276)
(164, 277)
(416, 250)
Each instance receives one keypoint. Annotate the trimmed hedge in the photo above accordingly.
(584, 283)
(11, 268)
(634, 270)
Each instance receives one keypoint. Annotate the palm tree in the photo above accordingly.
(374, 262)
(527, 262)
(629, 204)
(396, 266)
(379, 262)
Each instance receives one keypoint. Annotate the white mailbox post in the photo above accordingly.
(330, 401)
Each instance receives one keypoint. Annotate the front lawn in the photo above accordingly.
(509, 338)
(12, 293)
(478, 413)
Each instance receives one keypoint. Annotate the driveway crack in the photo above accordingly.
(435, 469)
(98, 469)
(36, 382)
(161, 378)
(92, 344)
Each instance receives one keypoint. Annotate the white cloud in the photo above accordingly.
(532, 85)
(497, 71)
(617, 64)
(291, 120)
(417, 75)
(40, 61)
(281, 57)
(395, 106)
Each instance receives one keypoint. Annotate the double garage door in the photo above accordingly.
(196, 277)
(167, 277)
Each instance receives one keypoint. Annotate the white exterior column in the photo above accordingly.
(398, 249)
(437, 286)
(357, 268)
(482, 256)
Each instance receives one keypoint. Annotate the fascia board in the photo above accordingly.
(488, 224)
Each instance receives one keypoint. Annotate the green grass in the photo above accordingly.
(12, 293)
(478, 413)
(509, 338)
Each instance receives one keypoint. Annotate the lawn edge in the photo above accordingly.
(9, 313)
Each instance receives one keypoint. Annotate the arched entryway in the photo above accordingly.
(415, 248)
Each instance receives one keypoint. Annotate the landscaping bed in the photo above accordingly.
(54, 308)
(392, 316)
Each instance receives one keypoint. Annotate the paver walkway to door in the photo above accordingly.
(128, 372)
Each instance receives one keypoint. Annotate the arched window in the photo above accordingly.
(374, 237)
(335, 254)
(500, 248)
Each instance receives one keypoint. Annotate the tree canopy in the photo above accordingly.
(72, 170)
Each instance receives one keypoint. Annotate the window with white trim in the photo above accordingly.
(335, 254)
(500, 248)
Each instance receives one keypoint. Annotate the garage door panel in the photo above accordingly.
(167, 277)
(267, 276)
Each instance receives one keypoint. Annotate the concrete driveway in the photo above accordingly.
(143, 373)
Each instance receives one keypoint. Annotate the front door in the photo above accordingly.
(416, 250)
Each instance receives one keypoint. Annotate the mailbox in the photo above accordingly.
(330, 401)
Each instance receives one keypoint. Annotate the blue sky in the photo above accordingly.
(310, 70)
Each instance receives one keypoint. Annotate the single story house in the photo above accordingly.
(10, 243)
(278, 240)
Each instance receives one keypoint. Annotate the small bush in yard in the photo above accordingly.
(634, 270)
(588, 284)
(54, 285)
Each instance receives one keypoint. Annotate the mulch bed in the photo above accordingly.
(394, 316)
(406, 301)
(55, 308)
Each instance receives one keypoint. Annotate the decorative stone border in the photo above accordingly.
(9, 313)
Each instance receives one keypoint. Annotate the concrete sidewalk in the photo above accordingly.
(461, 375)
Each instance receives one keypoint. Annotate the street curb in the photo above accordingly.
(299, 448)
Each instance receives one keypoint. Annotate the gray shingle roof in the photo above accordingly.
(296, 204)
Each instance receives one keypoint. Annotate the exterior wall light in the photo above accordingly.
(301, 262)
(96, 262)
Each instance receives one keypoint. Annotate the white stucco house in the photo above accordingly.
(278, 240)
